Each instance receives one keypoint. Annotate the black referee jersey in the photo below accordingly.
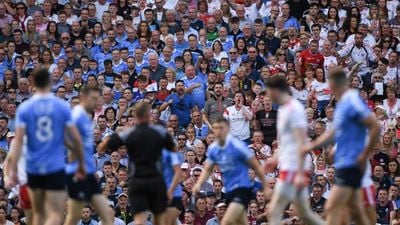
(145, 144)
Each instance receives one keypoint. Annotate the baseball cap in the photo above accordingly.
(379, 107)
(398, 115)
(122, 195)
(151, 89)
(120, 22)
(220, 205)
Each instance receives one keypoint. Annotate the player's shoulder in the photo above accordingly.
(159, 129)
(237, 144)
(77, 112)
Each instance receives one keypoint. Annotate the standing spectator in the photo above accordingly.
(180, 104)
(239, 117)
(266, 121)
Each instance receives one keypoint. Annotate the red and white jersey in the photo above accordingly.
(291, 116)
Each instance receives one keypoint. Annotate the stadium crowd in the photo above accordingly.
(195, 61)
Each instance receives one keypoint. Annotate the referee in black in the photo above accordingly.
(145, 142)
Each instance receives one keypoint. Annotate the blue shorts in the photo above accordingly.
(349, 177)
(82, 190)
(240, 195)
(54, 181)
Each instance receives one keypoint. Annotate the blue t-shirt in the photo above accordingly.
(350, 132)
(83, 122)
(232, 159)
(181, 108)
(169, 160)
(44, 118)
(198, 94)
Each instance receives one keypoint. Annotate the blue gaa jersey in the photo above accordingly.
(232, 160)
(83, 123)
(169, 160)
(350, 133)
(44, 118)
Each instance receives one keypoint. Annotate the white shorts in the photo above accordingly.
(368, 195)
(290, 192)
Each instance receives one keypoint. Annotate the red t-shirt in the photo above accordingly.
(310, 60)
(251, 220)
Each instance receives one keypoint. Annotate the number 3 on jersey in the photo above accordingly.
(44, 129)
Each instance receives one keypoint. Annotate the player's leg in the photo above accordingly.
(28, 216)
(159, 219)
(305, 211)
(358, 210)
(345, 216)
(243, 218)
(368, 194)
(234, 214)
(140, 218)
(74, 211)
(25, 203)
(54, 205)
(37, 198)
(171, 215)
(283, 194)
(339, 197)
(101, 207)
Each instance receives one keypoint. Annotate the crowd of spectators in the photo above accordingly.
(195, 61)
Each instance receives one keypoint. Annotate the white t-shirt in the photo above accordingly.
(300, 95)
(322, 90)
(391, 111)
(240, 127)
(287, 123)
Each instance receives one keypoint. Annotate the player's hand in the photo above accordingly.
(80, 173)
(169, 196)
(196, 189)
(270, 165)
(10, 181)
(362, 162)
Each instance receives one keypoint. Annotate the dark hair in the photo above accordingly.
(142, 110)
(41, 78)
(221, 120)
(4, 118)
(86, 90)
(277, 82)
(338, 77)
(107, 163)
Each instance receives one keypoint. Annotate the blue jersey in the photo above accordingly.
(83, 122)
(232, 159)
(350, 132)
(44, 118)
(169, 160)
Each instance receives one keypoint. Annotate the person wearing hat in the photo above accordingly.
(123, 211)
(220, 210)
(150, 96)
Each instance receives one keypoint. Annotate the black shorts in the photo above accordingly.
(349, 177)
(240, 195)
(54, 181)
(176, 203)
(148, 194)
(82, 190)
